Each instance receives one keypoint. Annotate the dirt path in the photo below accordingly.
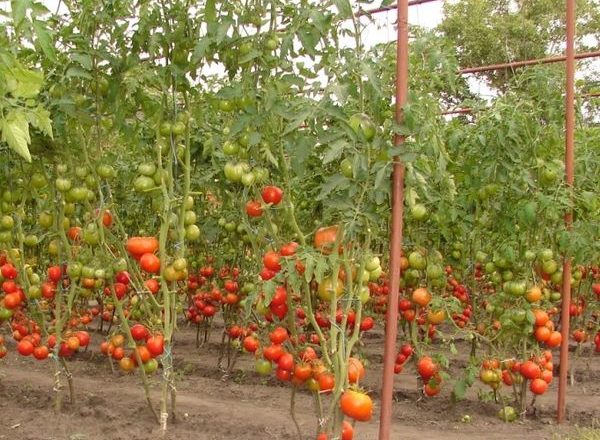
(246, 407)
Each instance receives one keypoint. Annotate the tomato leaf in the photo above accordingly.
(344, 7)
(44, 39)
(29, 83)
(15, 132)
(40, 119)
(334, 151)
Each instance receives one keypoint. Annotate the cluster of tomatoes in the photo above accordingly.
(148, 347)
(29, 340)
(405, 352)
(429, 370)
(271, 195)
(544, 329)
(538, 370)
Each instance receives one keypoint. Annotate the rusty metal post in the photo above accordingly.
(570, 178)
(391, 322)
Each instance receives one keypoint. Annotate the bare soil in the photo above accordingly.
(111, 406)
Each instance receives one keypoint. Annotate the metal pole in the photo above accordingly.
(570, 178)
(515, 64)
(391, 322)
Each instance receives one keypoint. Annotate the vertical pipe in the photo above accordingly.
(391, 323)
(569, 178)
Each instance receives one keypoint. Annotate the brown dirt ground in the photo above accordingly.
(245, 407)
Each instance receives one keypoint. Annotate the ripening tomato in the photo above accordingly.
(430, 389)
(421, 296)
(279, 335)
(152, 285)
(155, 345)
(83, 337)
(356, 370)
(150, 263)
(8, 271)
(12, 301)
(271, 261)
(325, 238)
(426, 368)
(357, 405)
(286, 362)
(254, 208)
(538, 386)
(41, 352)
(139, 332)
(326, 382)
(530, 370)
(272, 194)
(25, 347)
(273, 352)
(138, 246)
(303, 371)
(251, 344)
(289, 249)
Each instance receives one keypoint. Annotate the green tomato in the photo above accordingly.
(146, 169)
(7, 222)
(231, 148)
(143, 183)
(151, 366)
(347, 169)
(105, 171)
(165, 129)
(233, 172)
(418, 212)
(363, 126)
(263, 367)
(192, 232)
(248, 179)
(372, 264)
(30, 240)
(417, 260)
(62, 184)
(364, 295)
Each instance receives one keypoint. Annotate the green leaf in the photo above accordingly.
(15, 132)
(334, 151)
(344, 7)
(334, 182)
(382, 174)
(44, 39)
(40, 119)
(200, 49)
(19, 10)
(77, 72)
(29, 83)
(83, 59)
(210, 15)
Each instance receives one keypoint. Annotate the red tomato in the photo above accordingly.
(139, 332)
(150, 263)
(54, 273)
(426, 368)
(250, 344)
(272, 194)
(254, 208)
(289, 249)
(538, 386)
(286, 361)
(530, 370)
(278, 336)
(273, 352)
(25, 347)
(271, 261)
(155, 345)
